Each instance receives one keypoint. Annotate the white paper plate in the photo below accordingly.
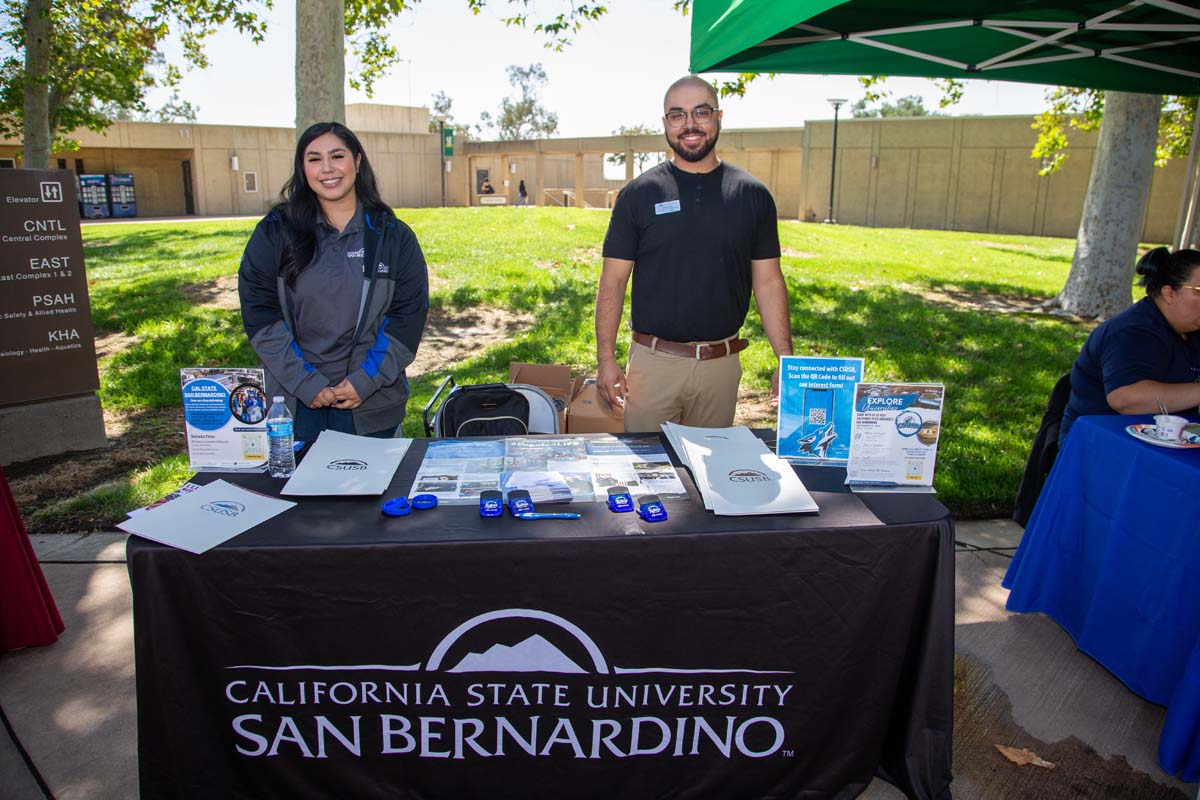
(1145, 432)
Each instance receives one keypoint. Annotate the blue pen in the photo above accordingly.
(539, 515)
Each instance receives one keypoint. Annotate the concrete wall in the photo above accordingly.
(969, 173)
(406, 164)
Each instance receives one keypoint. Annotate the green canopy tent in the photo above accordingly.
(1147, 46)
(1143, 46)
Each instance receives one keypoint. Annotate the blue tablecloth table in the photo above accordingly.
(1112, 553)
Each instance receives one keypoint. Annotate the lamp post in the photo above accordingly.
(836, 102)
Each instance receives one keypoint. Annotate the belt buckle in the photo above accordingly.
(698, 346)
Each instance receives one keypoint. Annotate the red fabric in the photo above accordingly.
(28, 615)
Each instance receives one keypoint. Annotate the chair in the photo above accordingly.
(490, 409)
(1044, 451)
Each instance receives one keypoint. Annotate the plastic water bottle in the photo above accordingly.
(281, 458)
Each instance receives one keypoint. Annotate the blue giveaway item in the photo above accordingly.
(650, 508)
(519, 502)
(423, 501)
(619, 499)
(491, 503)
(539, 515)
(396, 507)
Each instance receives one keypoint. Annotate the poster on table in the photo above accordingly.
(816, 407)
(567, 469)
(895, 434)
(225, 415)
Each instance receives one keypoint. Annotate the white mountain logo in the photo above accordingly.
(535, 654)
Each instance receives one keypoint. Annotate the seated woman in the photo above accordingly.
(1147, 357)
(335, 292)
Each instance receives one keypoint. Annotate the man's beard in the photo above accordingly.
(700, 153)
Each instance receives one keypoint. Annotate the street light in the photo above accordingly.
(836, 102)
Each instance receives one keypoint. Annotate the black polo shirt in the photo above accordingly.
(692, 238)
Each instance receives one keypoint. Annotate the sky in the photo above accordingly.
(613, 75)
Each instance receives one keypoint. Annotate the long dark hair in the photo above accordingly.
(1160, 267)
(299, 208)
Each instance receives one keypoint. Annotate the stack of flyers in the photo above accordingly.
(737, 474)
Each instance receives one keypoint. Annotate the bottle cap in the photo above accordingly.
(277, 398)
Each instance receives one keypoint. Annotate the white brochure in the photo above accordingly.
(342, 464)
(737, 474)
(200, 520)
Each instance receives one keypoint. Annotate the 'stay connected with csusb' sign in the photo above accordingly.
(524, 700)
(45, 316)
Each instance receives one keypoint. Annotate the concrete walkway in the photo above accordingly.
(72, 729)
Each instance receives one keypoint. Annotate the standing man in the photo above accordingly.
(699, 236)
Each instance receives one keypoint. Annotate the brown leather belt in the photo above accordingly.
(700, 352)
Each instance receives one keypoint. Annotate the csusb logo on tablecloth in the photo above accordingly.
(226, 508)
(550, 692)
(347, 464)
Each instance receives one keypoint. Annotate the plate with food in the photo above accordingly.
(1146, 432)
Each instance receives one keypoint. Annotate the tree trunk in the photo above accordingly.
(36, 113)
(1114, 209)
(320, 62)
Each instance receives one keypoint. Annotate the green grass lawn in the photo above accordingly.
(893, 296)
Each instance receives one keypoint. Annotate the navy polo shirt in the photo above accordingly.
(1137, 344)
(692, 238)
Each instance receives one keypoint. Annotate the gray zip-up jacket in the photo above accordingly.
(395, 305)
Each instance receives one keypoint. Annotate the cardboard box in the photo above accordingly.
(591, 413)
(553, 379)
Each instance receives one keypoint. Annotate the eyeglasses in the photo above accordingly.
(1193, 288)
(701, 115)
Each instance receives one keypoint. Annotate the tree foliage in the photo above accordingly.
(1082, 109)
(908, 106)
(441, 112)
(640, 160)
(523, 117)
(104, 56)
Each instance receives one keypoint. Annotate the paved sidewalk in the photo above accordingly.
(72, 706)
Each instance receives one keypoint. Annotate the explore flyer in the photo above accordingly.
(816, 405)
(895, 434)
(225, 415)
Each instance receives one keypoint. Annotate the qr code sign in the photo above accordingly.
(816, 416)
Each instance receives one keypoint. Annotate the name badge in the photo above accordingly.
(669, 207)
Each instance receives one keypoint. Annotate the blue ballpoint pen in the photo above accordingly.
(539, 515)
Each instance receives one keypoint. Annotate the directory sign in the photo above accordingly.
(46, 344)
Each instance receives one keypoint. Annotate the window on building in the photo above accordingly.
(62, 163)
(8, 163)
(249, 181)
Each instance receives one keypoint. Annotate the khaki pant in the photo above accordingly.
(664, 387)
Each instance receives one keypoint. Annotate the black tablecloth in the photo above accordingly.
(336, 652)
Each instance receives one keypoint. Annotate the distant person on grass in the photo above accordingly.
(1147, 357)
(335, 292)
(699, 236)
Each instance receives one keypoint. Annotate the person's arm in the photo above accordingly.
(399, 334)
(610, 302)
(770, 294)
(1145, 397)
(265, 327)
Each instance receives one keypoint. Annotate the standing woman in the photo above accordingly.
(334, 292)
(1146, 358)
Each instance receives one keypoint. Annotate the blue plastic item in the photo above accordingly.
(650, 508)
(423, 501)
(396, 507)
(491, 503)
(619, 499)
(519, 502)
